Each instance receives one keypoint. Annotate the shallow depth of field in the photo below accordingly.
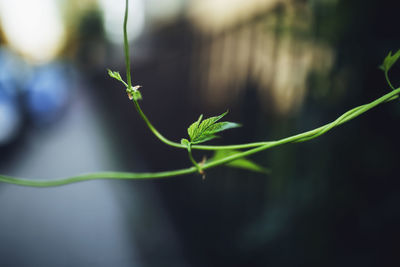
(280, 67)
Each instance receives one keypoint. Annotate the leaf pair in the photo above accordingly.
(205, 130)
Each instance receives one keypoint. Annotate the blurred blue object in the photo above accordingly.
(10, 117)
(10, 114)
(47, 93)
(44, 94)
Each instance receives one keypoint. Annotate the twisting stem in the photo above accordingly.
(189, 149)
(310, 134)
(349, 115)
(259, 146)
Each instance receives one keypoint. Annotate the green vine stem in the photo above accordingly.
(252, 147)
(349, 115)
(198, 167)
(126, 47)
(95, 176)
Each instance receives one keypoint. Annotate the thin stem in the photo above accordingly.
(126, 47)
(95, 176)
(189, 149)
(347, 116)
(231, 147)
(126, 85)
(154, 130)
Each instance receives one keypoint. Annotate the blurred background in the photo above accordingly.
(280, 66)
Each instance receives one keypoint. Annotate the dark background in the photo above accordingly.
(332, 201)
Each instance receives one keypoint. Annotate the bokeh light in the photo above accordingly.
(33, 28)
(47, 93)
(113, 21)
(10, 113)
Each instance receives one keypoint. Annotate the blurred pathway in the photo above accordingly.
(82, 224)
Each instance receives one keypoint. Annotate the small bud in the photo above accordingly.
(203, 161)
(185, 142)
(203, 175)
(130, 95)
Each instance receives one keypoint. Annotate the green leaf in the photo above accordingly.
(221, 126)
(241, 163)
(389, 61)
(202, 131)
(115, 75)
(204, 138)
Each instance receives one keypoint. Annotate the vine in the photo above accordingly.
(204, 130)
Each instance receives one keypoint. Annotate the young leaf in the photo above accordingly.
(192, 130)
(114, 74)
(389, 61)
(203, 138)
(241, 163)
(117, 76)
(202, 131)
